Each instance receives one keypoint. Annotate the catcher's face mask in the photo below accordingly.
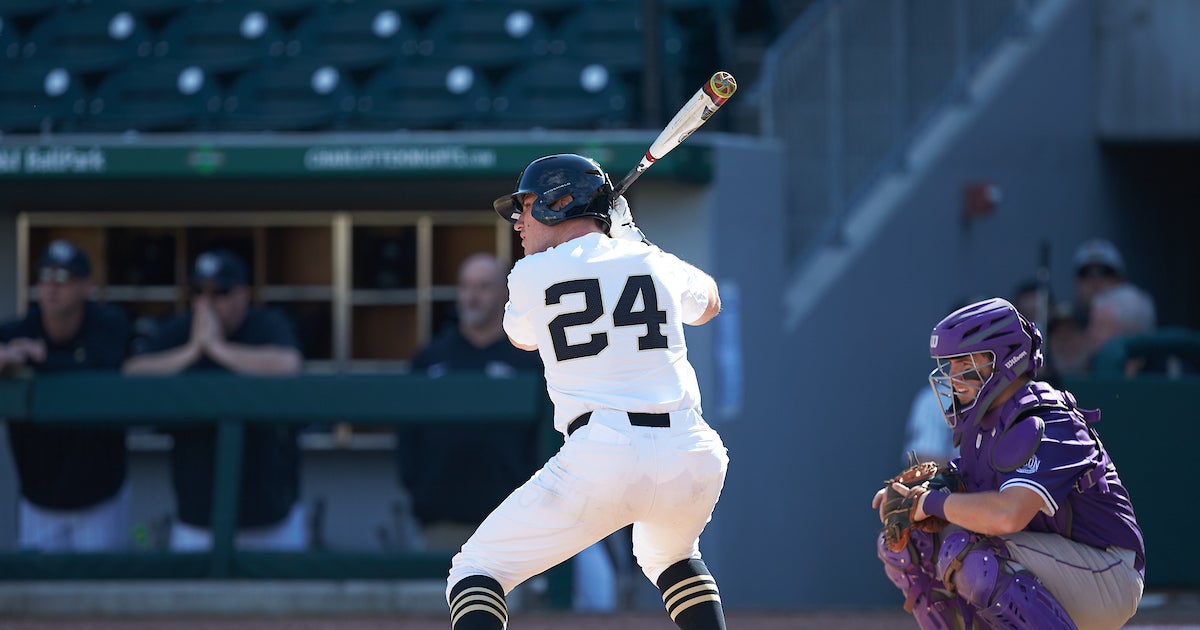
(957, 381)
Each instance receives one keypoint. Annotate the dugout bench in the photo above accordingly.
(229, 401)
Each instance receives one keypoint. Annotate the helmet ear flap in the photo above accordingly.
(600, 206)
(610, 199)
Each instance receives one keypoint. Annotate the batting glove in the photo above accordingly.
(622, 223)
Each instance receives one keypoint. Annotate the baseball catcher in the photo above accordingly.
(1030, 525)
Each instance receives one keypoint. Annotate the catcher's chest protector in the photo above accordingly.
(1011, 445)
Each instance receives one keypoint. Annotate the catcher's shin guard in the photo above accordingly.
(477, 603)
(1004, 595)
(911, 570)
(690, 595)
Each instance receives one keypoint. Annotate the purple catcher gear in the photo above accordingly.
(979, 570)
(992, 326)
(912, 571)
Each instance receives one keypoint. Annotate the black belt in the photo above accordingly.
(657, 420)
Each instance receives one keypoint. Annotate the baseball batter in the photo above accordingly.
(606, 312)
(1042, 533)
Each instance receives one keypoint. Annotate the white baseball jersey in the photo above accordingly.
(607, 316)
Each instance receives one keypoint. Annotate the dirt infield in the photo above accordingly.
(525, 621)
(1176, 613)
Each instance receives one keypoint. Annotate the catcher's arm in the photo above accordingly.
(989, 513)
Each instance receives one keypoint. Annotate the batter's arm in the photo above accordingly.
(521, 345)
(714, 303)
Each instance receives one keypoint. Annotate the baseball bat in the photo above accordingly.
(694, 113)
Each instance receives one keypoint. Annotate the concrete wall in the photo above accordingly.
(744, 379)
(1148, 82)
(828, 414)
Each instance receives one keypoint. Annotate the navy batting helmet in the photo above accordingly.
(554, 177)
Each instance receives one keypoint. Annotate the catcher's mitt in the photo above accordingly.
(899, 509)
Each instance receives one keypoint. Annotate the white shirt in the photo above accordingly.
(927, 431)
(607, 317)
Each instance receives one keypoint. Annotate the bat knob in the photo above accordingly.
(722, 84)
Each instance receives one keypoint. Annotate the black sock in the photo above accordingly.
(690, 595)
(477, 603)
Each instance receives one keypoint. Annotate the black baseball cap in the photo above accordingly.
(66, 255)
(219, 268)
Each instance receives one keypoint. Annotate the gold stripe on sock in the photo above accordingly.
(479, 596)
(477, 607)
(670, 592)
(711, 597)
(678, 597)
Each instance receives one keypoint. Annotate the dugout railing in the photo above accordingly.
(230, 402)
(1145, 426)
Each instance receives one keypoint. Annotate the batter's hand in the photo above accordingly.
(622, 225)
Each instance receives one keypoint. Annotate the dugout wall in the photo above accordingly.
(300, 208)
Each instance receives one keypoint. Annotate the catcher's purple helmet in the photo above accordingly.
(993, 326)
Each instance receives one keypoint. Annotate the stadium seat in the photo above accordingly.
(357, 36)
(157, 96)
(28, 8)
(153, 9)
(709, 28)
(492, 37)
(88, 39)
(223, 38)
(286, 8)
(38, 97)
(425, 95)
(302, 95)
(551, 11)
(422, 10)
(612, 33)
(562, 93)
(10, 41)
(715, 6)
